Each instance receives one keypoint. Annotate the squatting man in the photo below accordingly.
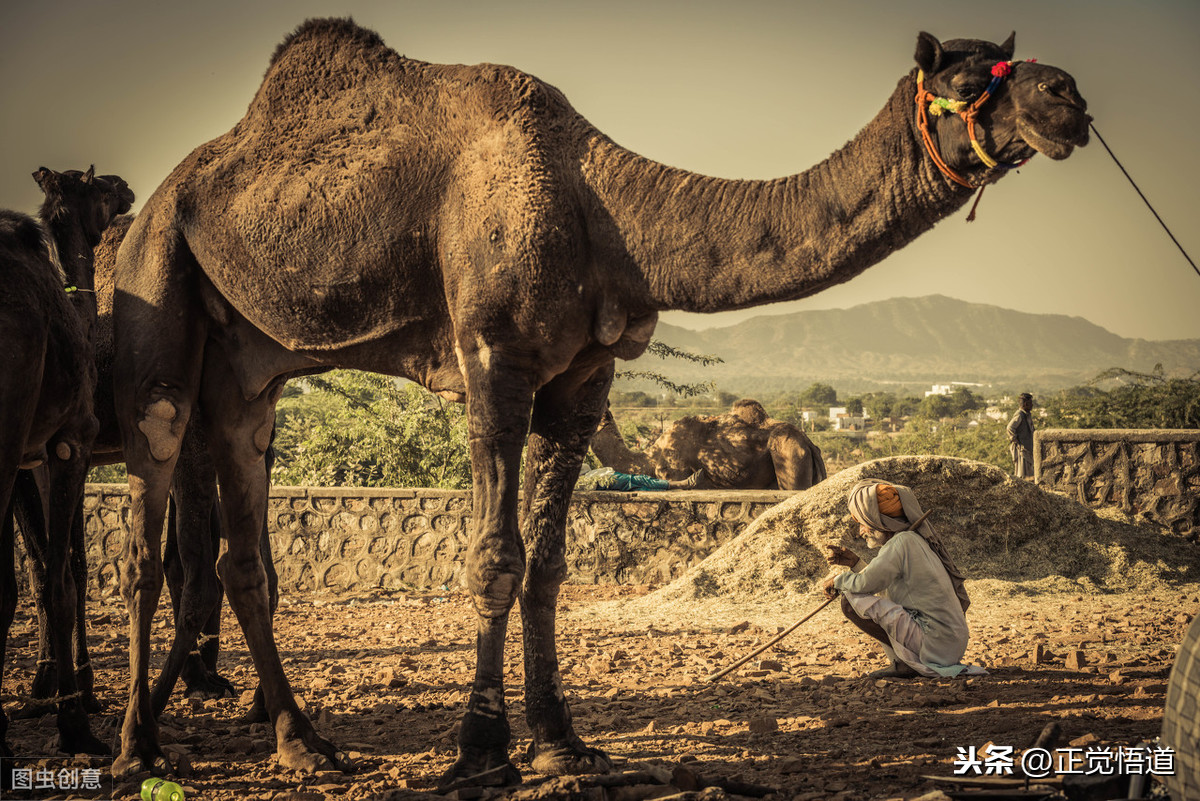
(921, 617)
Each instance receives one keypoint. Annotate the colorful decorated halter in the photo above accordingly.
(937, 106)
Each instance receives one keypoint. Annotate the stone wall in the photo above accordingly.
(350, 539)
(1151, 473)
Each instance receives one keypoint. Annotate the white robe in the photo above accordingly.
(921, 613)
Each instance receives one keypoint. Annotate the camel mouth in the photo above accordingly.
(1057, 147)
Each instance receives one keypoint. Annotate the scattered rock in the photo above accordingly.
(763, 724)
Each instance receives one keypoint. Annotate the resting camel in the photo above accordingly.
(47, 314)
(465, 227)
(741, 449)
(193, 534)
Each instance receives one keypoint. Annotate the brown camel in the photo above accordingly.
(47, 314)
(189, 556)
(741, 449)
(464, 227)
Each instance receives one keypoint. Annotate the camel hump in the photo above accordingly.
(328, 30)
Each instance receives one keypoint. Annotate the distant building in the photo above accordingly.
(849, 422)
(946, 389)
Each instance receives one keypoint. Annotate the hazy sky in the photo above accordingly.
(741, 89)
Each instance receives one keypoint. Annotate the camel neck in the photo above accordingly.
(71, 252)
(70, 249)
(610, 448)
(705, 244)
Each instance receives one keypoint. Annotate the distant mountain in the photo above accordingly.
(912, 342)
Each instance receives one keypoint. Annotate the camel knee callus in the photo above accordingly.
(555, 250)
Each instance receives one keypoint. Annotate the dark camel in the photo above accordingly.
(466, 228)
(193, 535)
(47, 314)
(741, 449)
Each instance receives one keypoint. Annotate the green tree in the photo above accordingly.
(879, 404)
(1140, 400)
(358, 429)
(819, 395)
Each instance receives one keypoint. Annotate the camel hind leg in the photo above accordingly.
(190, 569)
(159, 346)
(566, 412)
(238, 433)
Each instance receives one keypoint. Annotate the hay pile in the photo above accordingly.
(1006, 535)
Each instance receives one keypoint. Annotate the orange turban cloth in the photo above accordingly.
(889, 500)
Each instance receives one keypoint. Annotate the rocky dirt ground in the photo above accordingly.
(385, 675)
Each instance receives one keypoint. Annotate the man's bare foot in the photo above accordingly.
(898, 670)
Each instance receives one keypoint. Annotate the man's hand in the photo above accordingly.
(841, 556)
(830, 591)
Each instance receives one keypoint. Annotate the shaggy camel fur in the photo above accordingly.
(464, 227)
(47, 313)
(741, 449)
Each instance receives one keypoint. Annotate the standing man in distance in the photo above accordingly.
(1020, 438)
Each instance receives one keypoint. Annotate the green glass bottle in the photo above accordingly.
(161, 790)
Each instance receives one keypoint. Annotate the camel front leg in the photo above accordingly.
(565, 415)
(498, 403)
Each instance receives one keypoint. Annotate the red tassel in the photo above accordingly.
(975, 205)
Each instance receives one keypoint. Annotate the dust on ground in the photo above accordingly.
(1077, 618)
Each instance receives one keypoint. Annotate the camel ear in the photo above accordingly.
(90, 174)
(1010, 45)
(929, 53)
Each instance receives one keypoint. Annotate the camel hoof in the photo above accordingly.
(475, 768)
(309, 759)
(127, 766)
(570, 758)
(209, 687)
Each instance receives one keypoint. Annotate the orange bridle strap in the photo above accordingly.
(968, 114)
(923, 99)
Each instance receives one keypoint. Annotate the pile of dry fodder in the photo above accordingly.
(1006, 535)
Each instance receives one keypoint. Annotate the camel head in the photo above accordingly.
(95, 199)
(970, 89)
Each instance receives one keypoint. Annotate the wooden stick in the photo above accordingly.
(748, 657)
